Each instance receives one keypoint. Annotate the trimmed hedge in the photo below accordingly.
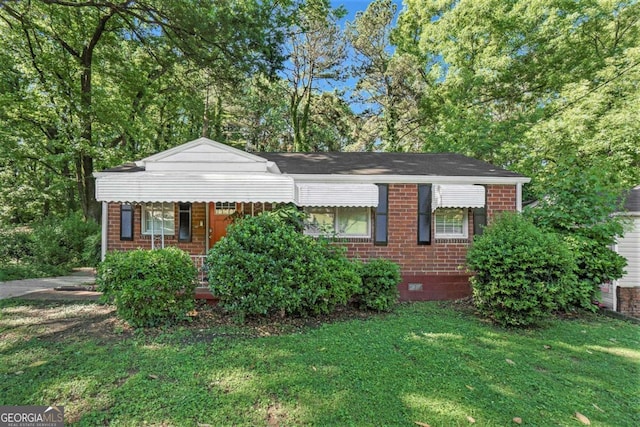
(380, 279)
(522, 274)
(265, 266)
(149, 287)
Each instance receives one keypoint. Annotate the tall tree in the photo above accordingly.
(79, 65)
(387, 83)
(509, 78)
(316, 55)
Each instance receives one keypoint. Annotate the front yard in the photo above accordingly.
(429, 363)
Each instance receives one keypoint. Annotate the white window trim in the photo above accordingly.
(167, 207)
(465, 224)
(336, 211)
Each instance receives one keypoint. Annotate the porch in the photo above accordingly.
(202, 291)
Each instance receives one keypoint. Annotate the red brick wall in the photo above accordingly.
(438, 268)
(500, 198)
(629, 301)
(198, 232)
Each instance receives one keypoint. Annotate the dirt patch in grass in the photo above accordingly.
(78, 317)
(59, 320)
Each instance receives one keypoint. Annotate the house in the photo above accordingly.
(420, 210)
(623, 295)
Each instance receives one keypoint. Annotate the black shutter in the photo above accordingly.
(184, 227)
(382, 216)
(126, 222)
(479, 221)
(424, 214)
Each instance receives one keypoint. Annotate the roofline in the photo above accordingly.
(373, 179)
(408, 179)
(202, 140)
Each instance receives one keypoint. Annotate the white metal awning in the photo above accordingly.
(458, 196)
(193, 187)
(323, 194)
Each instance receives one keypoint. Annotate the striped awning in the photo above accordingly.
(458, 196)
(144, 187)
(336, 194)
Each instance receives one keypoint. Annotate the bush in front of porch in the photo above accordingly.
(148, 287)
(266, 266)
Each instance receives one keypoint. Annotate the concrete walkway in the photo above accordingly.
(81, 278)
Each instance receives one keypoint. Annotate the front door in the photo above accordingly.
(220, 216)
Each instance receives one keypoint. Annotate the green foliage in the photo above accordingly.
(265, 266)
(148, 288)
(523, 83)
(29, 270)
(50, 248)
(578, 202)
(61, 242)
(380, 280)
(522, 273)
(17, 245)
(91, 95)
(596, 264)
(92, 252)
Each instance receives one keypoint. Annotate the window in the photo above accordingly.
(158, 218)
(225, 208)
(344, 222)
(126, 222)
(382, 215)
(184, 225)
(424, 214)
(451, 223)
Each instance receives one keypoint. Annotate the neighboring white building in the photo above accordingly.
(623, 295)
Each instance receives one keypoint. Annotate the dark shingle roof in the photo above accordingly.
(368, 163)
(127, 167)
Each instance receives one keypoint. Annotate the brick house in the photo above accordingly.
(420, 210)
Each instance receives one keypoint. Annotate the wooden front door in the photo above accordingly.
(220, 216)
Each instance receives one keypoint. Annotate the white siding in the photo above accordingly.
(206, 156)
(629, 247)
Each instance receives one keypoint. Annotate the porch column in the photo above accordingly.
(105, 234)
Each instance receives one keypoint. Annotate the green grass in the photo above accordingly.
(426, 362)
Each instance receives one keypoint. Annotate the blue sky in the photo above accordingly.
(354, 6)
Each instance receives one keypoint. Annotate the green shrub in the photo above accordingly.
(265, 266)
(522, 274)
(380, 279)
(62, 241)
(578, 202)
(148, 287)
(16, 246)
(596, 264)
(92, 251)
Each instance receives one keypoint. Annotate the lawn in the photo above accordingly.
(428, 363)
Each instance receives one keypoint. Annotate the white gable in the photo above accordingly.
(205, 155)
